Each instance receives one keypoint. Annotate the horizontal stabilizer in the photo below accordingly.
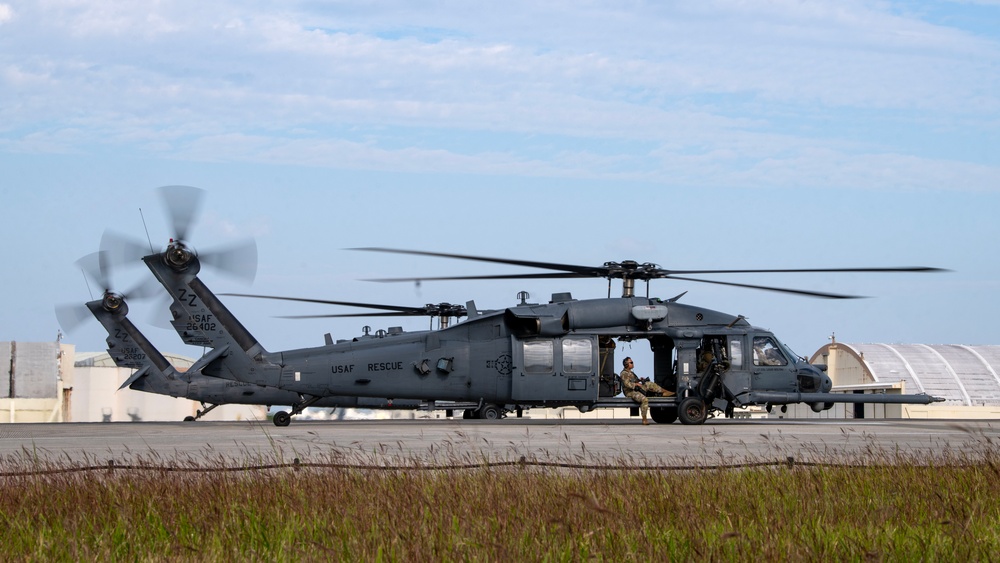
(208, 358)
(144, 371)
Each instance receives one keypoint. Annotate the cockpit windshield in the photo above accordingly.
(791, 353)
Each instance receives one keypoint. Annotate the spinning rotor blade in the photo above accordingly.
(122, 249)
(429, 310)
(238, 260)
(805, 292)
(72, 316)
(582, 270)
(183, 204)
(553, 276)
(636, 271)
(342, 315)
(97, 268)
(672, 273)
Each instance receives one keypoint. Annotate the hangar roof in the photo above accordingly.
(969, 375)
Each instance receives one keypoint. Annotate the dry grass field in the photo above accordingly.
(886, 506)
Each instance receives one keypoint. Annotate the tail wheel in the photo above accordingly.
(692, 411)
(282, 418)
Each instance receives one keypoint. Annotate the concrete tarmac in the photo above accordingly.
(446, 442)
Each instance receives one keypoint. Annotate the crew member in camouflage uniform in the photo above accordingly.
(637, 390)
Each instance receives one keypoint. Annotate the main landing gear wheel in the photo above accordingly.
(282, 418)
(692, 411)
(663, 415)
(490, 412)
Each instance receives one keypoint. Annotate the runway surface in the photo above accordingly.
(444, 442)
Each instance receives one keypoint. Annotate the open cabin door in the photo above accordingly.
(555, 369)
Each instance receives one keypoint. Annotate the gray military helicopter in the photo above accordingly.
(559, 353)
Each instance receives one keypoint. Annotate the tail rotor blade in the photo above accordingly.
(238, 260)
(122, 249)
(183, 204)
(71, 316)
(95, 267)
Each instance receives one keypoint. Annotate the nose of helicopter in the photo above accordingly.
(826, 383)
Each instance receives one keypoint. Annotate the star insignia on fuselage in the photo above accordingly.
(503, 364)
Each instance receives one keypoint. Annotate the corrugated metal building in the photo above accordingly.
(968, 377)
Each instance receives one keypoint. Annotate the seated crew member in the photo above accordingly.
(638, 390)
(705, 360)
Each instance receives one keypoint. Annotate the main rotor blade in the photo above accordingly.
(777, 289)
(183, 204)
(609, 268)
(552, 276)
(348, 315)
(583, 270)
(671, 273)
(407, 310)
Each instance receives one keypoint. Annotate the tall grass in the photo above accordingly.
(896, 507)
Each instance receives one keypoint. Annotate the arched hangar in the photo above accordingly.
(967, 377)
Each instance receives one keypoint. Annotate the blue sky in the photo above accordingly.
(722, 134)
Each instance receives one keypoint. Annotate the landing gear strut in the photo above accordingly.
(283, 418)
(200, 413)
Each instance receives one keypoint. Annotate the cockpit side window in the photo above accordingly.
(766, 352)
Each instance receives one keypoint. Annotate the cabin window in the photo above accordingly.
(767, 353)
(736, 352)
(578, 356)
(539, 356)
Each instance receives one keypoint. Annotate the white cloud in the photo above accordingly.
(647, 91)
(6, 13)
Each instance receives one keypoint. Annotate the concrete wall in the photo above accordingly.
(30, 370)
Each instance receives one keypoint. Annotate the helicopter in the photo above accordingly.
(528, 355)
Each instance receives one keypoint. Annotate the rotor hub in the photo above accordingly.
(112, 302)
(178, 256)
